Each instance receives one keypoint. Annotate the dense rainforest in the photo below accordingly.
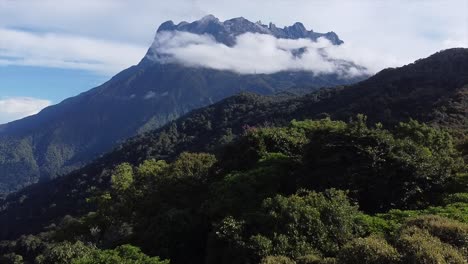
(283, 179)
(318, 191)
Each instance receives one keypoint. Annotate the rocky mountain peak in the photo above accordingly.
(227, 31)
(208, 18)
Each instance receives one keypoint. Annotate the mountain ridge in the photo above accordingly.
(226, 31)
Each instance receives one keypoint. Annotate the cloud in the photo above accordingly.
(400, 31)
(404, 30)
(116, 20)
(260, 53)
(150, 95)
(401, 28)
(66, 51)
(459, 42)
(14, 108)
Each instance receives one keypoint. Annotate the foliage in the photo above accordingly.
(293, 226)
(63, 252)
(448, 231)
(277, 260)
(124, 254)
(418, 246)
(122, 178)
(369, 250)
(383, 170)
(313, 191)
(11, 258)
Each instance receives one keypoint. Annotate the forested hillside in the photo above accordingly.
(370, 173)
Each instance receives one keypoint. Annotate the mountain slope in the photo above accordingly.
(66, 136)
(432, 90)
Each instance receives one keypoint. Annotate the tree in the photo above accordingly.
(11, 258)
(303, 224)
(63, 252)
(407, 170)
(418, 246)
(447, 230)
(122, 177)
(194, 165)
(125, 254)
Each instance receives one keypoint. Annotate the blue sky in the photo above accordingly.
(54, 49)
(55, 84)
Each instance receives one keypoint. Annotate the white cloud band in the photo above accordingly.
(406, 30)
(66, 51)
(260, 53)
(13, 108)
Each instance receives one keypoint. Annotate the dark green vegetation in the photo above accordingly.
(239, 182)
(311, 192)
(69, 135)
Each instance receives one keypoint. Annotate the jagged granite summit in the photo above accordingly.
(227, 31)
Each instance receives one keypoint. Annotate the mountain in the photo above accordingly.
(431, 90)
(227, 31)
(66, 136)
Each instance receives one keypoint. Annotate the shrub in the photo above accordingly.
(447, 230)
(456, 198)
(122, 177)
(125, 254)
(308, 222)
(63, 252)
(11, 258)
(369, 250)
(194, 165)
(29, 246)
(418, 246)
(277, 260)
(310, 259)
